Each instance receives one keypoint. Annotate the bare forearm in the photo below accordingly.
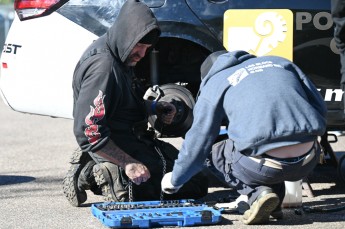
(116, 155)
(135, 170)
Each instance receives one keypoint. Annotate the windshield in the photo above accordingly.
(94, 15)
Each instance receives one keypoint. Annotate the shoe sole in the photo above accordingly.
(260, 210)
(75, 197)
(76, 157)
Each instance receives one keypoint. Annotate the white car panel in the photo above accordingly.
(45, 86)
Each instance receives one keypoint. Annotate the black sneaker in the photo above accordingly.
(261, 209)
(74, 185)
(119, 192)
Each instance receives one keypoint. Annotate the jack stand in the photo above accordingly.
(307, 190)
(327, 148)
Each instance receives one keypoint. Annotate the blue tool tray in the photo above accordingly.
(148, 214)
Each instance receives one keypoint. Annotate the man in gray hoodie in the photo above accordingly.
(119, 156)
(274, 115)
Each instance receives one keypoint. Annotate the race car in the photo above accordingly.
(47, 38)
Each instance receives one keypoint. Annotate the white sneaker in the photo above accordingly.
(239, 205)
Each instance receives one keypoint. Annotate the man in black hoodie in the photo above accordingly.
(110, 118)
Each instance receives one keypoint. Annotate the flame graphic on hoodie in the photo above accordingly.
(96, 114)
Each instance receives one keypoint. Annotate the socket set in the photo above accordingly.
(149, 214)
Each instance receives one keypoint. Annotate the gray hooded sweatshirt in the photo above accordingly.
(268, 102)
(105, 103)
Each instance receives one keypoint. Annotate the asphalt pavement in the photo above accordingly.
(35, 151)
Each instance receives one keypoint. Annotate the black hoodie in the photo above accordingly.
(105, 103)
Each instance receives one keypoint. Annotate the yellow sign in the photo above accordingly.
(259, 32)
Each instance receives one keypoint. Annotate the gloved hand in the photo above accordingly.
(165, 112)
(167, 187)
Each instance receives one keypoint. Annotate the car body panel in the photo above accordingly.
(314, 47)
(38, 76)
(39, 80)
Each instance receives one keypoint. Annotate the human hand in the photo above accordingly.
(167, 187)
(165, 112)
(137, 172)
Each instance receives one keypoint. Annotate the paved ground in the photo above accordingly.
(34, 158)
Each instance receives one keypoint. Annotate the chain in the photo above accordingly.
(164, 168)
(130, 191)
(130, 183)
